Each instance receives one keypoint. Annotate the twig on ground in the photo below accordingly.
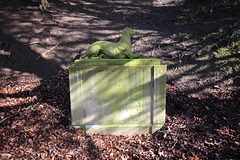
(41, 18)
(174, 144)
(30, 43)
(47, 51)
(10, 54)
(200, 51)
(5, 48)
(4, 119)
(44, 14)
(22, 112)
(196, 13)
(153, 51)
(179, 62)
(213, 5)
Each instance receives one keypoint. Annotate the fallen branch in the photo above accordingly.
(47, 51)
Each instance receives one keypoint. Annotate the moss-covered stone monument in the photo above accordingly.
(118, 96)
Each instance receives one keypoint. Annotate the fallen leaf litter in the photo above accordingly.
(36, 124)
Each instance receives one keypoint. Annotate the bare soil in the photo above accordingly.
(42, 44)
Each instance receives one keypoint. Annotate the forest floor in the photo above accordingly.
(201, 49)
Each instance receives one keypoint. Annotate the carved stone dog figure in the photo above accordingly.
(119, 50)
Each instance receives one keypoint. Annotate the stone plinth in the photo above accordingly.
(118, 96)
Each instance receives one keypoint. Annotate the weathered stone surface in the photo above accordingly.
(118, 96)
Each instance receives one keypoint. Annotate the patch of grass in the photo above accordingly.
(222, 51)
(184, 37)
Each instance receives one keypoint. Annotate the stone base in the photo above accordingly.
(118, 96)
(118, 129)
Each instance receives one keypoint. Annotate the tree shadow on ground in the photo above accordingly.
(167, 30)
(75, 25)
(18, 58)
